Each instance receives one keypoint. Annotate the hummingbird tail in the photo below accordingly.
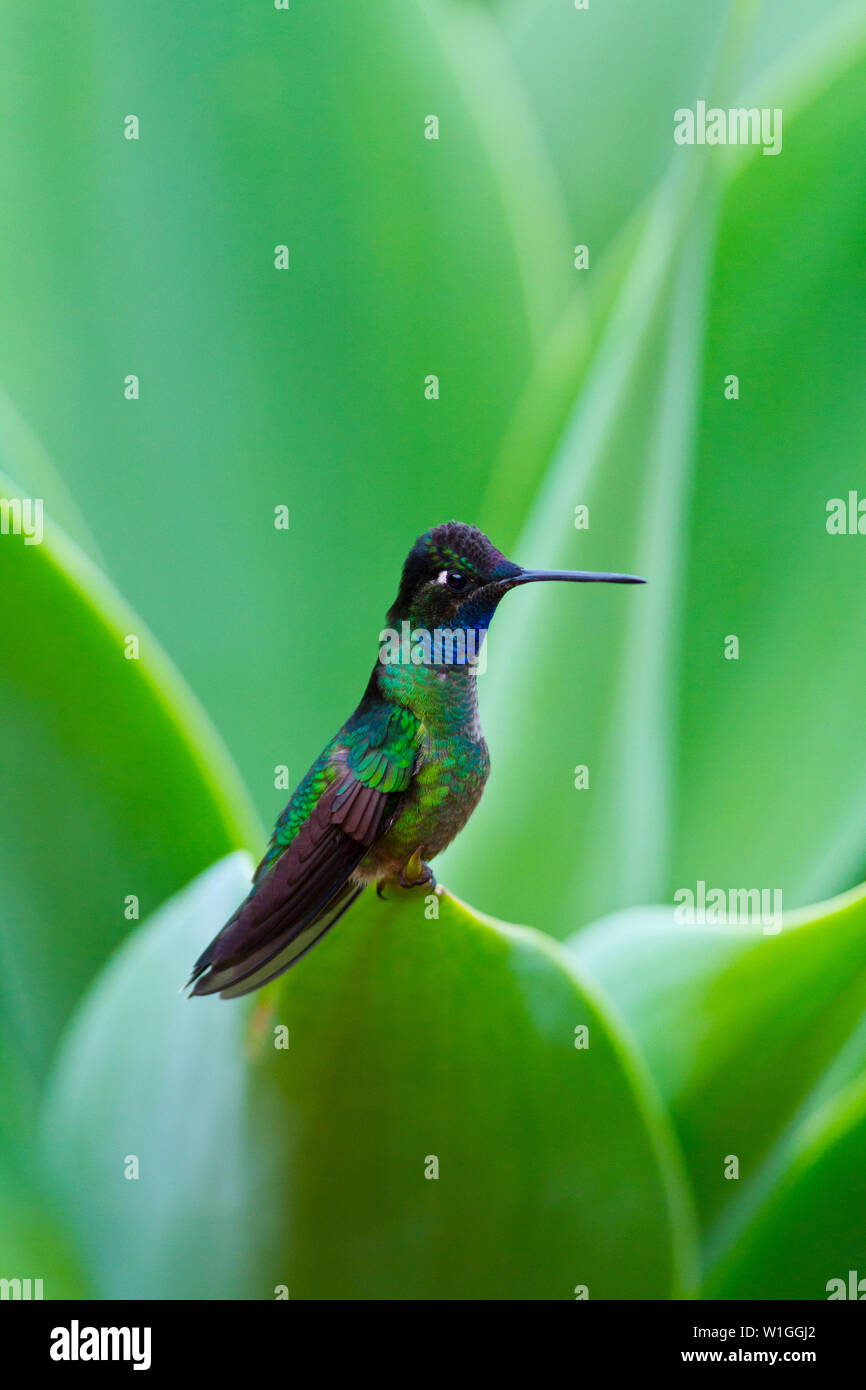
(258, 967)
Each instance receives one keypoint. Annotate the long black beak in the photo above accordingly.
(574, 577)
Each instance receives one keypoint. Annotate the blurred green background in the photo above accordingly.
(559, 387)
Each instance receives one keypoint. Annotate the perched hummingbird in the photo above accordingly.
(401, 777)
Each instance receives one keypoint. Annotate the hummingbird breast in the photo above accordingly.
(453, 765)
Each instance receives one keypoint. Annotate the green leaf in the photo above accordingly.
(144, 1074)
(745, 1031)
(410, 1040)
(112, 782)
(811, 1228)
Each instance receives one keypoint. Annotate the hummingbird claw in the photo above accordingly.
(380, 889)
(416, 873)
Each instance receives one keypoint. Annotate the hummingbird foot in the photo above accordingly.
(417, 874)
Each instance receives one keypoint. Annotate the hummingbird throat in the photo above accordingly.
(437, 647)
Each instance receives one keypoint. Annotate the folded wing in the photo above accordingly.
(304, 885)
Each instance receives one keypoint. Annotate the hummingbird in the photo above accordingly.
(401, 777)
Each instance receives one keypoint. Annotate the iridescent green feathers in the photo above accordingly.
(377, 747)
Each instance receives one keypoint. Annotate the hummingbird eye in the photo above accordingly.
(455, 580)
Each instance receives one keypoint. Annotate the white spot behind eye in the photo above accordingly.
(442, 577)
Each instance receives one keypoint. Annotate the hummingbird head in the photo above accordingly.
(454, 577)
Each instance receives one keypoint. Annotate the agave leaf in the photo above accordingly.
(113, 785)
(806, 1239)
(430, 1130)
(747, 1032)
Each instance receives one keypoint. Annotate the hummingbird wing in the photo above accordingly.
(303, 885)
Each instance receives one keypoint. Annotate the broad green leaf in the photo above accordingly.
(112, 783)
(745, 1030)
(807, 1239)
(699, 768)
(261, 388)
(145, 1076)
(412, 1043)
